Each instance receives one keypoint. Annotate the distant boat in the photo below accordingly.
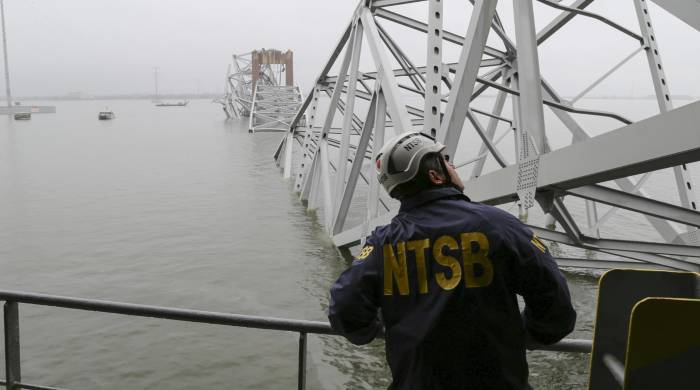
(18, 103)
(23, 116)
(177, 104)
(105, 115)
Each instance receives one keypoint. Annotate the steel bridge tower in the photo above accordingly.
(589, 173)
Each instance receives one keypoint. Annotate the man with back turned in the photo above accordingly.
(443, 277)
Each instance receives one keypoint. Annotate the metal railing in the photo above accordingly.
(13, 377)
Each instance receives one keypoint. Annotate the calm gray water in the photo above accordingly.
(175, 207)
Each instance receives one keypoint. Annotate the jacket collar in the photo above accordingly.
(430, 195)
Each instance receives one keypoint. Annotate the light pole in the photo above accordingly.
(4, 49)
(155, 71)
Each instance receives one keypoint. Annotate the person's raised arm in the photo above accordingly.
(354, 301)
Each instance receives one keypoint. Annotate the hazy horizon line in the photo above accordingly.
(74, 96)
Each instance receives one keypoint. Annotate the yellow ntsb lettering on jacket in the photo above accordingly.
(454, 261)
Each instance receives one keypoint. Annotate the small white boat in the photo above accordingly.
(105, 115)
(23, 116)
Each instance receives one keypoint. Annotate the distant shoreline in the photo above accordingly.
(118, 97)
(215, 96)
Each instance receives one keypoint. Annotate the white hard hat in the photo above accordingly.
(399, 159)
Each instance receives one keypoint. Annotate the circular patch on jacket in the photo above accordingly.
(365, 252)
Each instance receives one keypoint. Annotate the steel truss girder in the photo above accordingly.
(628, 151)
(395, 108)
(389, 3)
(637, 203)
(608, 264)
(665, 229)
(422, 27)
(460, 94)
(332, 165)
(349, 187)
(663, 97)
(576, 10)
(649, 252)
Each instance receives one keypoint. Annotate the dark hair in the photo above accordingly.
(431, 161)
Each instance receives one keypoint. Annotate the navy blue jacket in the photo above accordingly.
(443, 279)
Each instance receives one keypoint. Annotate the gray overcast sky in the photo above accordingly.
(111, 46)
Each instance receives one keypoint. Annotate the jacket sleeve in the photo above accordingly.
(354, 301)
(549, 314)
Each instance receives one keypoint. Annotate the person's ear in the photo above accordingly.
(435, 177)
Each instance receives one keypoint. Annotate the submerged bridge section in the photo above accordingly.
(262, 88)
(274, 107)
(616, 185)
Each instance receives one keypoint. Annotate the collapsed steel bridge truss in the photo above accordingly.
(238, 90)
(262, 88)
(503, 122)
(240, 83)
(274, 107)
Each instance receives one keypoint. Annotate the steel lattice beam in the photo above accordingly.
(336, 136)
(630, 150)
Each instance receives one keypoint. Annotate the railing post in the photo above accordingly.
(12, 365)
(302, 361)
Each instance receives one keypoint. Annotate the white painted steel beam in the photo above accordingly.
(487, 140)
(422, 27)
(684, 183)
(349, 113)
(609, 264)
(605, 76)
(433, 97)
(389, 3)
(396, 109)
(306, 151)
(288, 155)
(470, 58)
(664, 228)
(631, 150)
(490, 130)
(404, 61)
(333, 105)
(637, 203)
(531, 111)
(652, 258)
(374, 189)
(325, 178)
(636, 250)
(560, 21)
(8, 92)
(558, 210)
(594, 16)
(348, 189)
